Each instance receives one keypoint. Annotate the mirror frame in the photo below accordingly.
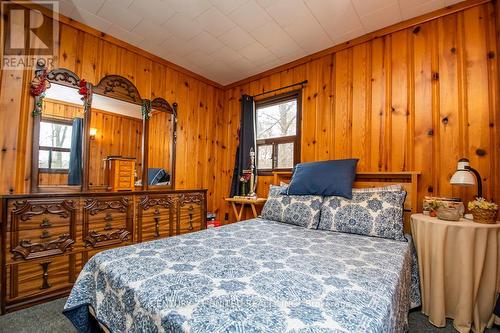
(162, 105)
(40, 83)
(113, 86)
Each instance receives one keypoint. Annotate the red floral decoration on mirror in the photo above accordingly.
(39, 85)
(85, 92)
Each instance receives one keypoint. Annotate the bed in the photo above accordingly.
(253, 276)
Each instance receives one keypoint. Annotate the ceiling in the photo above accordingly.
(229, 40)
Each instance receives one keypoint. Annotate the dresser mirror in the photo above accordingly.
(58, 140)
(101, 137)
(161, 128)
(115, 136)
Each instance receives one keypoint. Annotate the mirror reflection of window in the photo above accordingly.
(55, 145)
(60, 138)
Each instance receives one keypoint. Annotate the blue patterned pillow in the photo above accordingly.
(374, 212)
(301, 210)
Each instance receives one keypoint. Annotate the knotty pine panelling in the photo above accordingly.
(416, 99)
(92, 58)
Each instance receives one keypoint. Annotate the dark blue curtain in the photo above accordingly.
(75, 158)
(246, 141)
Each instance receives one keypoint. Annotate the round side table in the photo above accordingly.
(459, 265)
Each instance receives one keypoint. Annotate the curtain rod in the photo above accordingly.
(292, 85)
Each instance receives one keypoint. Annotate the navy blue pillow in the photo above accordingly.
(324, 178)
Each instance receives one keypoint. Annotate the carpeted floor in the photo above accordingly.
(47, 318)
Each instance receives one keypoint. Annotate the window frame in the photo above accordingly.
(274, 142)
(51, 149)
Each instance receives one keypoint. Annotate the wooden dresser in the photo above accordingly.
(46, 239)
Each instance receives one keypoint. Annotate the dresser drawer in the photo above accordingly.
(38, 243)
(190, 218)
(38, 278)
(107, 221)
(40, 213)
(154, 227)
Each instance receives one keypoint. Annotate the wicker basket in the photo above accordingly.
(487, 216)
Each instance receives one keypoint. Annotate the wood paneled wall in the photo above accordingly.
(417, 99)
(92, 55)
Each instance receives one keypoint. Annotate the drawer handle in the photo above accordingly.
(157, 227)
(108, 217)
(45, 234)
(190, 222)
(45, 275)
(45, 223)
(108, 226)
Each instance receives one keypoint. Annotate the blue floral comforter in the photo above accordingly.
(252, 276)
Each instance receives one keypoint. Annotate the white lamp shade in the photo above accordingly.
(463, 177)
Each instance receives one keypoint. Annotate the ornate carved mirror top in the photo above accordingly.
(64, 77)
(118, 87)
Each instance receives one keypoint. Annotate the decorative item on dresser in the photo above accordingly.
(46, 240)
(120, 173)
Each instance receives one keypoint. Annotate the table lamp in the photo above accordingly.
(463, 176)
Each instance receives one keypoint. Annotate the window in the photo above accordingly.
(54, 146)
(278, 137)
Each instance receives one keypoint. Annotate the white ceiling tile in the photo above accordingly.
(157, 11)
(227, 6)
(200, 58)
(289, 12)
(123, 34)
(266, 3)
(236, 38)
(257, 53)
(336, 17)
(206, 42)
(381, 18)
(96, 22)
(178, 46)
(228, 40)
(364, 7)
(226, 54)
(114, 13)
(291, 56)
(214, 22)
(64, 7)
(191, 8)
(153, 32)
(350, 35)
(302, 33)
(91, 6)
(250, 16)
(276, 40)
(182, 27)
(411, 9)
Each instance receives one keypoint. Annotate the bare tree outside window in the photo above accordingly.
(277, 127)
(55, 146)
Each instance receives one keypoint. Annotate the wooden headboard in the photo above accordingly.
(408, 179)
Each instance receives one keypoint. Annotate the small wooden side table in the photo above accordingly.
(245, 201)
